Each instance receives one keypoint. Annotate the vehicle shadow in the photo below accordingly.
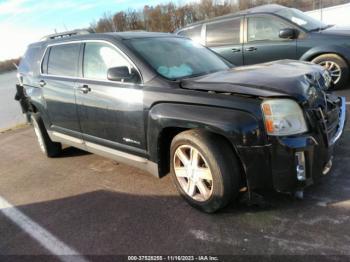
(72, 152)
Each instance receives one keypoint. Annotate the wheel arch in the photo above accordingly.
(168, 120)
(164, 145)
(342, 52)
(38, 107)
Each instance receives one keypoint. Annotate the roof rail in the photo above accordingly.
(66, 34)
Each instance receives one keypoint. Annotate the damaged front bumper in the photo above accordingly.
(22, 99)
(289, 164)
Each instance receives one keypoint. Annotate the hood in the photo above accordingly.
(280, 78)
(337, 30)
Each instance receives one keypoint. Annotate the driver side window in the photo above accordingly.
(98, 58)
(265, 28)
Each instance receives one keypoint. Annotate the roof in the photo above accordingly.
(139, 34)
(273, 8)
(102, 36)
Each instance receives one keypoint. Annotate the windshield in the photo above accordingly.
(176, 58)
(301, 19)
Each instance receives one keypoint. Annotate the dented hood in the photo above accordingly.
(280, 78)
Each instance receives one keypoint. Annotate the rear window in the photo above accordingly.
(30, 60)
(63, 60)
(194, 33)
(224, 32)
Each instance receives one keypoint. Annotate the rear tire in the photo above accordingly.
(337, 67)
(47, 146)
(204, 169)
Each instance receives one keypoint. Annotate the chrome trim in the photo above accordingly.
(114, 152)
(66, 137)
(204, 34)
(88, 41)
(341, 121)
(122, 157)
(328, 167)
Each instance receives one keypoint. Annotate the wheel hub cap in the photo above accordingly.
(193, 173)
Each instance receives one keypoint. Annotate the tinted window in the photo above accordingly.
(262, 28)
(63, 60)
(98, 58)
(30, 60)
(224, 33)
(175, 58)
(194, 33)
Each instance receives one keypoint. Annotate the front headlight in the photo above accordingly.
(283, 117)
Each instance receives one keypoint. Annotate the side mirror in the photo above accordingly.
(120, 73)
(288, 33)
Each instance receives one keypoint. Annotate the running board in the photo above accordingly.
(119, 156)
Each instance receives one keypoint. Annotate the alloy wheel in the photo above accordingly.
(334, 70)
(193, 173)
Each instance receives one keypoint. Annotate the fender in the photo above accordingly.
(240, 127)
(319, 50)
(35, 97)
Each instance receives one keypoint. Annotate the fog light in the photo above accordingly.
(300, 166)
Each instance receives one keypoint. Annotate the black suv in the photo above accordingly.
(272, 32)
(164, 103)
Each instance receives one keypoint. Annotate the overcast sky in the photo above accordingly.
(26, 21)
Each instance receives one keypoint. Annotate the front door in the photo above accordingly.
(224, 37)
(262, 41)
(110, 113)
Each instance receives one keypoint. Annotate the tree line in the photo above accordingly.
(8, 65)
(169, 17)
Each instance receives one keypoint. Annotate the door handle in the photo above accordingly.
(84, 89)
(250, 49)
(236, 50)
(42, 83)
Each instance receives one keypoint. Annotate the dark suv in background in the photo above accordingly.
(164, 103)
(273, 32)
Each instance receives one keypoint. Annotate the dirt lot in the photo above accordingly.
(94, 206)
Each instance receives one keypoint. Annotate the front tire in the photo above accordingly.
(337, 67)
(204, 169)
(47, 146)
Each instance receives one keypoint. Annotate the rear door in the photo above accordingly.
(262, 41)
(59, 70)
(110, 112)
(225, 38)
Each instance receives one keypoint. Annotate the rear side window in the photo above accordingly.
(63, 60)
(30, 60)
(224, 32)
(194, 33)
